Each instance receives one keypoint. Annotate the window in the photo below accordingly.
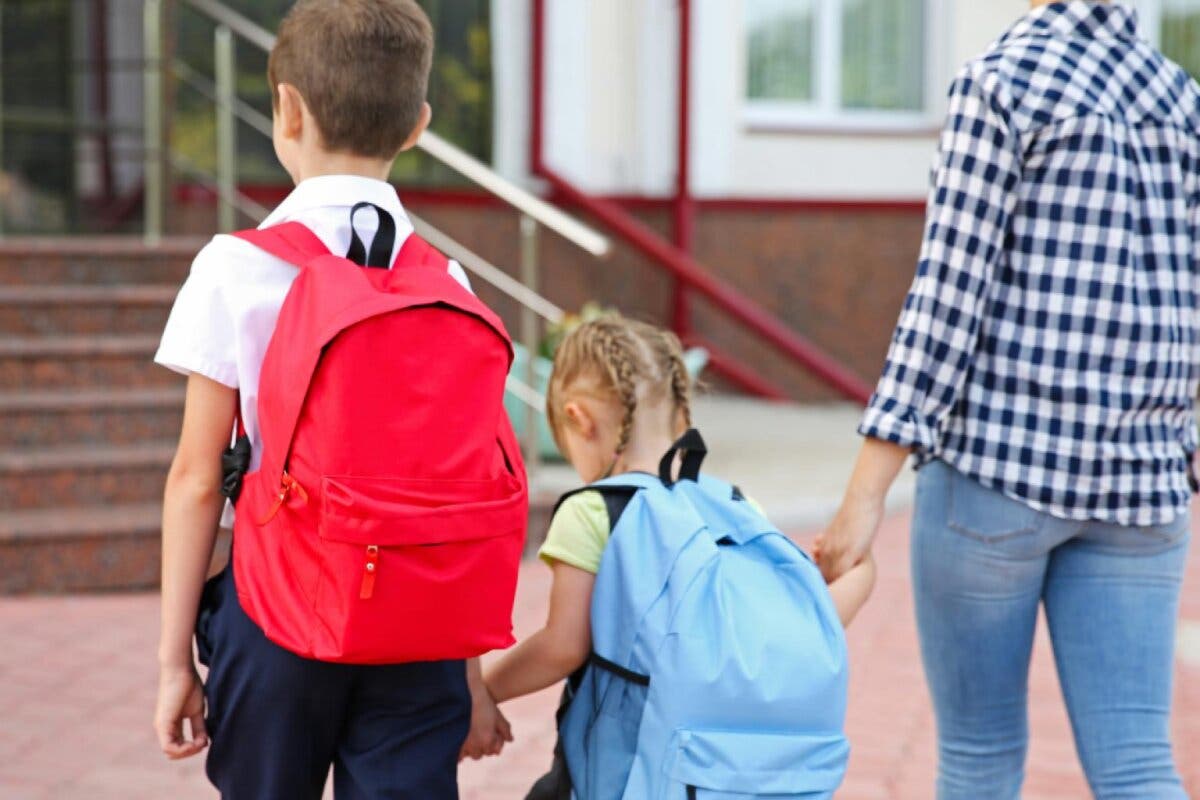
(856, 62)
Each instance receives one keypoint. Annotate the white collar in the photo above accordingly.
(334, 191)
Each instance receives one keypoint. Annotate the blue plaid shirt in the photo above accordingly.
(1049, 345)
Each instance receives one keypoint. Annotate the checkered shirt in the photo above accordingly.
(1049, 345)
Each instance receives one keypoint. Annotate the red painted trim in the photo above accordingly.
(103, 105)
(735, 371)
(684, 211)
(774, 203)
(721, 294)
(899, 205)
(818, 129)
(270, 195)
(684, 268)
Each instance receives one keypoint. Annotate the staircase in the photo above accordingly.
(87, 422)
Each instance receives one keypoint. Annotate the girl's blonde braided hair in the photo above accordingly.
(624, 359)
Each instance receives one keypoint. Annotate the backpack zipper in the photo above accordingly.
(287, 485)
(369, 570)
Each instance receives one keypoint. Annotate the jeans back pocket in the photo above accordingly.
(987, 514)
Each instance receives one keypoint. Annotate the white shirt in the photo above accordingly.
(226, 310)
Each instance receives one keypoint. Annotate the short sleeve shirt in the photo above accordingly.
(225, 312)
(580, 530)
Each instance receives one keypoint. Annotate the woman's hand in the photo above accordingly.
(849, 536)
(847, 540)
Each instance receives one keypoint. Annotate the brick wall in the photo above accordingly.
(836, 276)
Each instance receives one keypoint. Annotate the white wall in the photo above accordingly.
(610, 102)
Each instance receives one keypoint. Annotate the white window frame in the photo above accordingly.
(825, 112)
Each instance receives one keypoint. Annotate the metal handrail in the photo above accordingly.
(534, 211)
(571, 229)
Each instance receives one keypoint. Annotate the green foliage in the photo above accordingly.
(556, 332)
(460, 90)
(1181, 38)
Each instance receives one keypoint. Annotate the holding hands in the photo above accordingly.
(490, 730)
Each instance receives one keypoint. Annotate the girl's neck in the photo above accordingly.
(643, 453)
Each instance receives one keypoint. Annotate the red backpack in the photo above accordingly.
(387, 520)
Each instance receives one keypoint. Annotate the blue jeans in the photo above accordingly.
(982, 564)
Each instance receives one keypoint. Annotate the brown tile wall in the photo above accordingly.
(836, 276)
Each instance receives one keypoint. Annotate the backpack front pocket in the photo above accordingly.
(728, 765)
(407, 562)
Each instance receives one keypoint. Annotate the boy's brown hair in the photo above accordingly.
(362, 67)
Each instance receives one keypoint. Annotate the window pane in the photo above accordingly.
(1181, 33)
(883, 55)
(780, 49)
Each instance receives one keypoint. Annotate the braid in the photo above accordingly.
(681, 382)
(619, 357)
(627, 359)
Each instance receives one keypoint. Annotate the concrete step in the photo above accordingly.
(96, 260)
(44, 309)
(117, 416)
(82, 362)
(91, 548)
(62, 477)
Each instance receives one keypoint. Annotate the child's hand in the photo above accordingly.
(180, 697)
(489, 728)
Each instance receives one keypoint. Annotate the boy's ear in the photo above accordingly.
(290, 111)
(422, 124)
(578, 416)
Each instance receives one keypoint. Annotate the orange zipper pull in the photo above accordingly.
(369, 570)
(287, 485)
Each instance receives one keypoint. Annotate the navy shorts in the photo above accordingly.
(278, 722)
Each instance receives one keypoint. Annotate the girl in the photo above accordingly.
(619, 396)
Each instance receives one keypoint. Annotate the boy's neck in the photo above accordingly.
(343, 164)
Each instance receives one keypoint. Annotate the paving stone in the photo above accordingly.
(77, 691)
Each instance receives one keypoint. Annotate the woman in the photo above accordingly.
(1043, 373)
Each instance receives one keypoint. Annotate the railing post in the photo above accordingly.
(154, 145)
(225, 69)
(529, 339)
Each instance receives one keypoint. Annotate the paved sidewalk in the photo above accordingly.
(77, 683)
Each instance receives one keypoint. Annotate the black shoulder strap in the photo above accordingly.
(382, 245)
(616, 499)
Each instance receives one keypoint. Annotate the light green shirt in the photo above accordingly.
(579, 532)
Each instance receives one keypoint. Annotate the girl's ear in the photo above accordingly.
(578, 416)
(290, 111)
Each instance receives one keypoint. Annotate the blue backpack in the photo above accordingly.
(719, 663)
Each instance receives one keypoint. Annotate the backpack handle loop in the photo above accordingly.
(692, 445)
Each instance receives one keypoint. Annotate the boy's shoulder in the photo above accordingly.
(227, 261)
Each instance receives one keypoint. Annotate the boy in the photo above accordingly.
(348, 80)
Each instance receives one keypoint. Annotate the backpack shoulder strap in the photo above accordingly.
(416, 252)
(291, 241)
(616, 499)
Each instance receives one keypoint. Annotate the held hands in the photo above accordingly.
(847, 540)
(180, 697)
(490, 730)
